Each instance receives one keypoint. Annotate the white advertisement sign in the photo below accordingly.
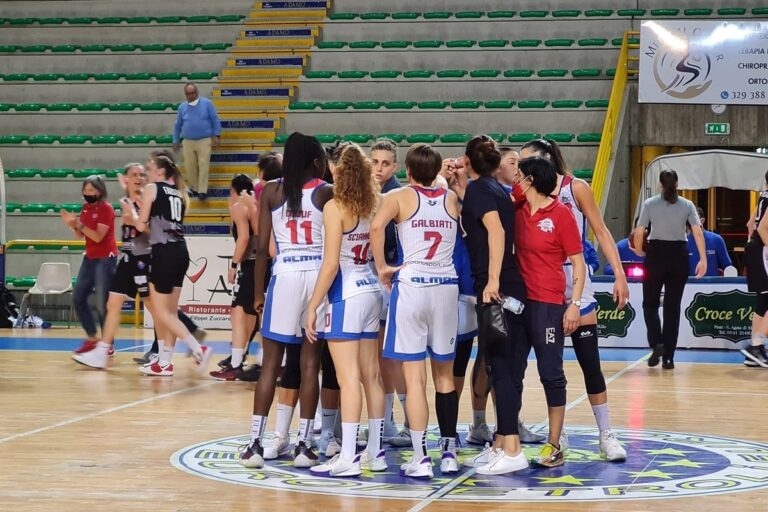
(706, 62)
(206, 296)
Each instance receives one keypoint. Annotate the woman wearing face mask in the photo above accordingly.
(96, 224)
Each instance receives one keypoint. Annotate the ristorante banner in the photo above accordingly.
(706, 62)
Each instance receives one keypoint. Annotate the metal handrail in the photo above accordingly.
(76, 243)
(3, 213)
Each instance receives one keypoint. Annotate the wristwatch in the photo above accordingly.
(576, 303)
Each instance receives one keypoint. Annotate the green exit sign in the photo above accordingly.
(717, 128)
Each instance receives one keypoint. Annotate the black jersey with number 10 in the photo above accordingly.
(167, 215)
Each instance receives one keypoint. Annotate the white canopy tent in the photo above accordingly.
(736, 170)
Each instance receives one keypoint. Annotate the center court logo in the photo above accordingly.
(660, 465)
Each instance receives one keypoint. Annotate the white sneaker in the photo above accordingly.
(418, 468)
(377, 463)
(390, 431)
(610, 448)
(203, 359)
(96, 358)
(528, 437)
(449, 462)
(157, 369)
(333, 448)
(327, 444)
(479, 435)
(484, 457)
(338, 466)
(402, 439)
(504, 464)
(279, 447)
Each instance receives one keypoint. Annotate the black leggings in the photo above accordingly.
(507, 362)
(666, 265)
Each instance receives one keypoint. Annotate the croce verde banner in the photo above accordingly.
(725, 315)
(705, 62)
(610, 320)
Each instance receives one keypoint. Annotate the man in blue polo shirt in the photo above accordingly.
(197, 130)
(717, 253)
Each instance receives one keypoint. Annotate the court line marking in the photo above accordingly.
(459, 480)
(96, 414)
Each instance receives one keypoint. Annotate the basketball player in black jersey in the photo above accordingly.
(756, 255)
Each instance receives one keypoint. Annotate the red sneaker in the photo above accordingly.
(87, 346)
(156, 369)
(227, 373)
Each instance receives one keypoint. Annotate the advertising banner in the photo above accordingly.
(705, 62)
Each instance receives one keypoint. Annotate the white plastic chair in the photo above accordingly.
(730, 271)
(54, 278)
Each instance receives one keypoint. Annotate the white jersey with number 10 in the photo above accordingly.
(299, 238)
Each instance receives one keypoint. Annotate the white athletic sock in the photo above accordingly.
(349, 440)
(375, 433)
(284, 419)
(258, 425)
(103, 346)
(193, 345)
(602, 417)
(306, 427)
(329, 420)
(389, 411)
(237, 357)
(419, 441)
(478, 418)
(166, 354)
(757, 340)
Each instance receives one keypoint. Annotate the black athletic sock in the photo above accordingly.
(447, 408)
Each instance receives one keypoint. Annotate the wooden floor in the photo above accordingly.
(72, 439)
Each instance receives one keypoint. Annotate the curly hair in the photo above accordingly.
(354, 187)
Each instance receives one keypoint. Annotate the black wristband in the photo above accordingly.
(233, 265)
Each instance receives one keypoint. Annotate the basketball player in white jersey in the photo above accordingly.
(291, 208)
(576, 194)
(423, 310)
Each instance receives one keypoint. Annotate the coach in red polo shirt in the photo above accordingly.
(546, 235)
(96, 225)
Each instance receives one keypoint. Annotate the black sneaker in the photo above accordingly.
(658, 350)
(253, 455)
(203, 196)
(250, 374)
(757, 354)
(192, 193)
(750, 363)
(668, 364)
(304, 456)
(147, 358)
(225, 363)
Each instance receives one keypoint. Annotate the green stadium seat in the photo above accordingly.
(363, 45)
(367, 105)
(455, 138)
(281, 139)
(327, 138)
(596, 103)
(731, 11)
(437, 15)
(429, 43)
(533, 14)
(8, 48)
(65, 48)
(43, 139)
(352, 74)
(71, 207)
(155, 107)
(57, 173)
(13, 139)
(518, 73)
(37, 207)
(385, 73)
(466, 104)
(552, 73)
(634, 13)
(406, 15)
(523, 137)
(433, 105)
(229, 18)
(394, 137)
(589, 137)
(401, 174)
(112, 173)
(586, 72)
(139, 20)
(500, 104)
(698, 12)
(170, 19)
(172, 75)
(501, 14)
(81, 20)
(395, 44)
(493, 43)
(106, 139)
(460, 43)
(199, 19)
(75, 77)
(593, 41)
(35, 48)
(137, 139)
(485, 73)
(303, 105)
(122, 107)
(164, 139)
(5, 107)
(526, 43)
(107, 77)
(610, 72)
(498, 137)
(51, 21)
(46, 77)
(566, 13)
(558, 42)
(138, 76)
(12, 207)
(29, 107)
(372, 16)
(598, 13)
(400, 105)
(84, 173)
(532, 104)
(319, 74)
(93, 48)
(469, 15)
(418, 73)
(24, 282)
(59, 107)
(342, 16)
(331, 45)
(357, 138)
(426, 138)
(201, 75)
(214, 47)
(123, 47)
(567, 103)
(22, 173)
(152, 47)
(22, 21)
(335, 105)
(451, 73)
(90, 107)
(559, 137)
(110, 20)
(183, 47)
(584, 174)
(665, 12)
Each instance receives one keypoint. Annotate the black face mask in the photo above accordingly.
(91, 199)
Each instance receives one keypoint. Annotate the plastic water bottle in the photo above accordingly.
(512, 305)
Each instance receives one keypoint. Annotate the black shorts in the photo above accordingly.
(169, 266)
(131, 276)
(244, 289)
(756, 258)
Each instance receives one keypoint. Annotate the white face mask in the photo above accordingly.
(194, 103)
